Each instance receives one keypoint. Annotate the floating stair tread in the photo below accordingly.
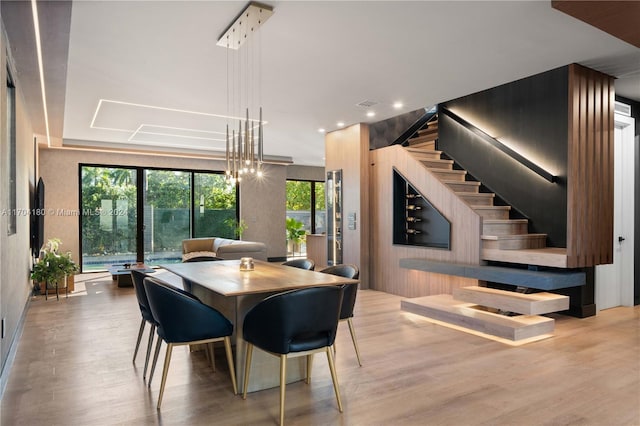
(476, 199)
(491, 207)
(426, 155)
(436, 163)
(541, 280)
(424, 145)
(550, 256)
(428, 131)
(426, 138)
(464, 182)
(514, 241)
(454, 172)
(476, 194)
(444, 308)
(511, 301)
(499, 221)
(418, 151)
(512, 237)
(429, 125)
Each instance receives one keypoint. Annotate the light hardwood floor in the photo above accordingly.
(73, 367)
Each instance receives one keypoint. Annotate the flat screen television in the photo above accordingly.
(37, 219)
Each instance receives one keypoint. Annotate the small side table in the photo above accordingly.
(121, 273)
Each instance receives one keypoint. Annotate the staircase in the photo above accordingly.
(505, 240)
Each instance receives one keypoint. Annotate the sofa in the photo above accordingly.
(223, 248)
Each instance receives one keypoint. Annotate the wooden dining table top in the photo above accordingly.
(225, 277)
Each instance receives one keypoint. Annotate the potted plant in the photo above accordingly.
(53, 267)
(295, 233)
(237, 226)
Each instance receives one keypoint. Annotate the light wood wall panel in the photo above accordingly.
(590, 168)
(348, 149)
(466, 228)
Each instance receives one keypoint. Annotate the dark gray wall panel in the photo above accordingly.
(530, 115)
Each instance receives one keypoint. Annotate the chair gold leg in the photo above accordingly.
(232, 369)
(165, 370)
(334, 377)
(309, 365)
(211, 355)
(149, 347)
(353, 337)
(283, 385)
(247, 367)
(155, 361)
(135, 352)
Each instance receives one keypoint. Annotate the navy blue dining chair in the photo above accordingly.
(349, 299)
(137, 278)
(294, 323)
(184, 320)
(307, 264)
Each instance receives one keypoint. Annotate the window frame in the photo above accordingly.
(140, 185)
(313, 199)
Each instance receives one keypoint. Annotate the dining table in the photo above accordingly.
(234, 291)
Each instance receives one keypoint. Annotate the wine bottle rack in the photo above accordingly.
(415, 221)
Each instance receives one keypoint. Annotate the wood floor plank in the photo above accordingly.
(73, 367)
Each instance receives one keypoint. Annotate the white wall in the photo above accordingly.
(15, 259)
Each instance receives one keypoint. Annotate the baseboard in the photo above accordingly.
(13, 348)
(581, 311)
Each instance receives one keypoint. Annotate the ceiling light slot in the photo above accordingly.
(367, 104)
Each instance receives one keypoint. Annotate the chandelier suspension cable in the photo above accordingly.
(245, 163)
(260, 131)
(244, 92)
(228, 156)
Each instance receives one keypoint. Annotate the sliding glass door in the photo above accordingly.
(142, 215)
(109, 216)
(167, 215)
(215, 203)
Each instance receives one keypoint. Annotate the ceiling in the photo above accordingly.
(148, 75)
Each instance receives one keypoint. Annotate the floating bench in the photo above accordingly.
(447, 310)
(541, 280)
(511, 301)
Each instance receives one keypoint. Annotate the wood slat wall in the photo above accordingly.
(466, 225)
(590, 168)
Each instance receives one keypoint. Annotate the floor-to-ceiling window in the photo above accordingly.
(108, 202)
(305, 212)
(215, 206)
(167, 214)
(142, 214)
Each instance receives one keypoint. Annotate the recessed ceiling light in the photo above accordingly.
(340, 124)
(321, 130)
(398, 105)
(371, 114)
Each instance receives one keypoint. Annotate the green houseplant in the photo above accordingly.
(237, 226)
(295, 233)
(53, 267)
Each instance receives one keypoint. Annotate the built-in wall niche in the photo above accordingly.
(415, 221)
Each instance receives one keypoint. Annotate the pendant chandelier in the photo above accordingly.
(244, 135)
